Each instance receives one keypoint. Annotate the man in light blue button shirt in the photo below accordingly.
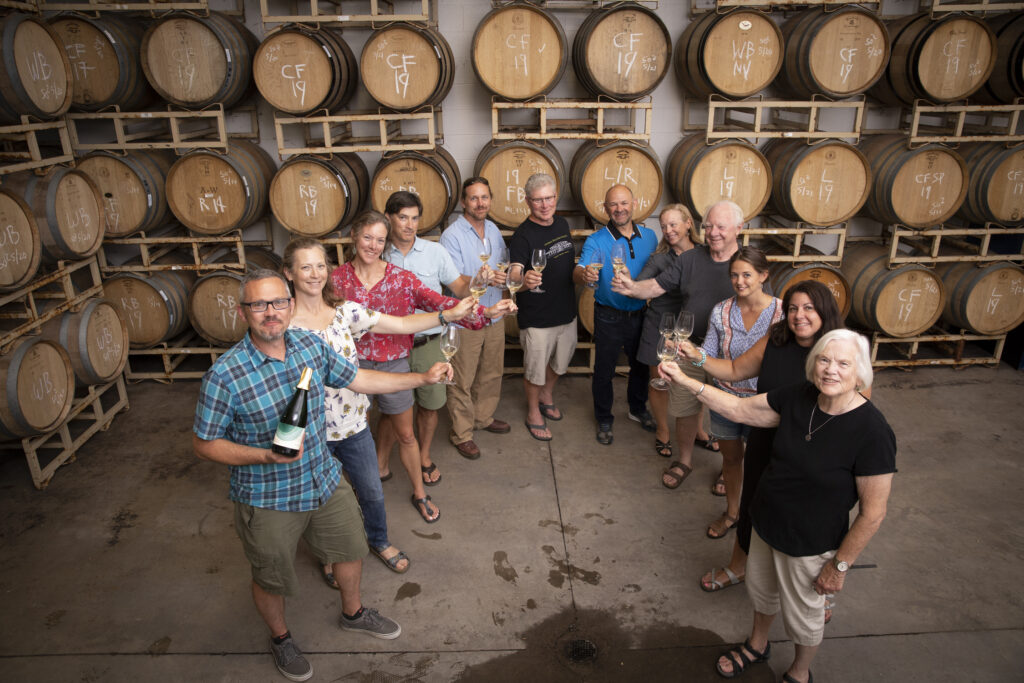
(434, 267)
(480, 362)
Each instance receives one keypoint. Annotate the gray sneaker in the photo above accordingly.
(371, 622)
(290, 661)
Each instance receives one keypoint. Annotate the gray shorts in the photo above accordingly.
(396, 402)
(681, 401)
(544, 346)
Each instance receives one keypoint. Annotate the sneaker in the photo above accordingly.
(645, 419)
(604, 434)
(290, 661)
(372, 623)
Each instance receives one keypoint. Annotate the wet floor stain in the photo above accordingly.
(502, 568)
(407, 590)
(568, 529)
(531, 604)
(430, 537)
(397, 669)
(561, 570)
(124, 519)
(659, 652)
(159, 647)
(53, 618)
(592, 515)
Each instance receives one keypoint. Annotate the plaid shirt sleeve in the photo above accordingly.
(215, 410)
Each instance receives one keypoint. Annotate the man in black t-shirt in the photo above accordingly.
(547, 305)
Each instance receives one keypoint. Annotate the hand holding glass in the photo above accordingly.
(666, 351)
(449, 345)
(684, 326)
(539, 260)
(596, 265)
(485, 250)
(618, 258)
(515, 280)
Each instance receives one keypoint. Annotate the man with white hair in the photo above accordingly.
(701, 275)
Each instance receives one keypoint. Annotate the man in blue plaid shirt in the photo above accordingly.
(279, 499)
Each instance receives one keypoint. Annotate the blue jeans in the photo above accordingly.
(616, 331)
(358, 457)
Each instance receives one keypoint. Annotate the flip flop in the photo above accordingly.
(710, 443)
(417, 502)
(531, 427)
(428, 471)
(329, 579)
(548, 411)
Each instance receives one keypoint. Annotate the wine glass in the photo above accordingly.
(618, 258)
(684, 326)
(597, 263)
(478, 284)
(449, 345)
(515, 279)
(501, 259)
(539, 260)
(666, 351)
(485, 250)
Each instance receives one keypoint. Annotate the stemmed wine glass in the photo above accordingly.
(501, 259)
(618, 258)
(597, 264)
(666, 352)
(449, 345)
(485, 250)
(478, 284)
(684, 326)
(539, 259)
(515, 280)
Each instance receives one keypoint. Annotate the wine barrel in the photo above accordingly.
(1007, 79)
(596, 168)
(983, 298)
(132, 187)
(314, 196)
(38, 388)
(519, 51)
(258, 257)
(585, 307)
(105, 66)
(820, 184)
(213, 308)
(836, 53)
(938, 60)
(68, 209)
(405, 67)
(919, 187)
(96, 339)
(511, 329)
(20, 249)
(783, 275)
(194, 61)
(621, 52)
(735, 54)
(902, 302)
(433, 176)
(213, 193)
(299, 69)
(698, 175)
(507, 166)
(995, 185)
(153, 306)
(35, 74)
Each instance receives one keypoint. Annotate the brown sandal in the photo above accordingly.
(720, 482)
(677, 479)
(721, 526)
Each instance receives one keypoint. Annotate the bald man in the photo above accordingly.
(618, 319)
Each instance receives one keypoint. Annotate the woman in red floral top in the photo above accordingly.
(381, 286)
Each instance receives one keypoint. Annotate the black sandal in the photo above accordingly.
(424, 511)
(739, 665)
(663, 448)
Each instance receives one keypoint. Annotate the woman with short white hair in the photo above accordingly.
(832, 449)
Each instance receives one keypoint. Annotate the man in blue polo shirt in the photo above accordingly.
(279, 499)
(618, 319)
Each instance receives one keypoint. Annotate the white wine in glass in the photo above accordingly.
(618, 258)
(684, 326)
(515, 280)
(485, 250)
(478, 285)
(449, 345)
(539, 260)
(501, 259)
(597, 266)
(667, 327)
(666, 351)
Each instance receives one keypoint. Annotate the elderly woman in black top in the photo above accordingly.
(832, 449)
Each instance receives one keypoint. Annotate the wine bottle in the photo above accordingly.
(292, 426)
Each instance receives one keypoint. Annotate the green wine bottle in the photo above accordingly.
(292, 426)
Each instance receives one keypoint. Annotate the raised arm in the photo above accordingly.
(377, 382)
(748, 365)
(753, 411)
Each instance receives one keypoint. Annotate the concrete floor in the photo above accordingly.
(126, 568)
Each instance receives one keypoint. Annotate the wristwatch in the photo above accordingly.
(840, 564)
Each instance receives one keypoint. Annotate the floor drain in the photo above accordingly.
(580, 650)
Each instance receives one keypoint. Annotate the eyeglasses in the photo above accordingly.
(541, 200)
(261, 306)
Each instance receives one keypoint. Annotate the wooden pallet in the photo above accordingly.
(20, 150)
(89, 414)
(758, 119)
(29, 6)
(955, 123)
(697, 7)
(187, 357)
(153, 250)
(67, 286)
(937, 7)
(926, 244)
(585, 120)
(375, 13)
(152, 7)
(938, 348)
(179, 130)
(384, 132)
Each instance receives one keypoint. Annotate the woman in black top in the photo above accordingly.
(776, 360)
(832, 449)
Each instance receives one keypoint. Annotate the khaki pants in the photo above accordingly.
(478, 367)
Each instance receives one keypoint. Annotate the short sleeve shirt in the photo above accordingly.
(728, 337)
(346, 410)
(462, 243)
(241, 399)
(598, 248)
(431, 263)
(700, 282)
(556, 304)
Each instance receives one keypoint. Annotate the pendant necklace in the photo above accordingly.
(831, 417)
